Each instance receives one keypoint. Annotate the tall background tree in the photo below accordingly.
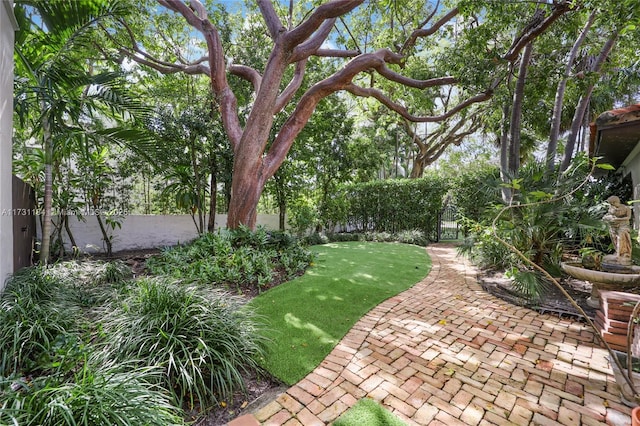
(296, 34)
(64, 96)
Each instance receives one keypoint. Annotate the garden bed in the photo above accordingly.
(553, 302)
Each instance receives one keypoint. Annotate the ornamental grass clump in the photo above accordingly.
(203, 342)
(90, 282)
(236, 258)
(35, 310)
(93, 395)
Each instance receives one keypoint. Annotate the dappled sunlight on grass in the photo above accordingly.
(363, 275)
(313, 312)
(296, 322)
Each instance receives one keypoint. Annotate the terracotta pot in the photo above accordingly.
(635, 416)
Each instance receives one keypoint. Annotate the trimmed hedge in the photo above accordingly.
(393, 205)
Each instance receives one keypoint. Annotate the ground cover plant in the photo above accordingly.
(202, 341)
(241, 260)
(310, 314)
(83, 343)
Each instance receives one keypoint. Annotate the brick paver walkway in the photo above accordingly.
(446, 353)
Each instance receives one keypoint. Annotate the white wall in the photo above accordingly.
(632, 166)
(7, 28)
(145, 231)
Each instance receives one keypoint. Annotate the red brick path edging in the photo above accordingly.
(447, 353)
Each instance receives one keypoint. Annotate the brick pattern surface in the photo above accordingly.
(447, 353)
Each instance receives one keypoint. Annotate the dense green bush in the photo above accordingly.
(81, 343)
(35, 310)
(540, 224)
(475, 192)
(201, 341)
(416, 237)
(393, 206)
(93, 395)
(234, 258)
(339, 237)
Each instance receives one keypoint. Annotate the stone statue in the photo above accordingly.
(618, 218)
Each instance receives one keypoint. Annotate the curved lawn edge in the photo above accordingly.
(307, 317)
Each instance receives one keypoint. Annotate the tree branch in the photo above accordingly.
(218, 74)
(198, 8)
(247, 73)
(536, 26)
(425, 32)
(310, 46)
(187, 12)
(292, 87)
(342, 80)
(332, 9)
(274, 25)
(140, 56)
(402, 110)
(337, 53)
(389, 74)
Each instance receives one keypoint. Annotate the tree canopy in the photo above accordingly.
(415, 77)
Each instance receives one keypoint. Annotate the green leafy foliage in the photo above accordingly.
(541, 227)
(475, 192)
(202, 342)
(83, 343)
(394, 205)
(237, 258)
(106, 395)
(35, 312)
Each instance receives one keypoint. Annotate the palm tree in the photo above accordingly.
(57, 93)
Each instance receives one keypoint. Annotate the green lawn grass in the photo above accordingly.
(308, 316)
(367, 412)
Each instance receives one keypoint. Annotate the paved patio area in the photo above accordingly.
(446, 353)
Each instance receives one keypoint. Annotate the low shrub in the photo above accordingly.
(316, 239)
(234, 258)
(340, 237)
(35, 310)
(92, 396)
(416, 237)
(202, 342)
(90, 282)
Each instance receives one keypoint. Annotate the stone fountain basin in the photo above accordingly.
(576, 270)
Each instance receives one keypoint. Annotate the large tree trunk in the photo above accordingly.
(504, 154)
(419, 164)
(246, 188)
(516, 112)
(45, 248)
(560, 90)
(583, 103)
